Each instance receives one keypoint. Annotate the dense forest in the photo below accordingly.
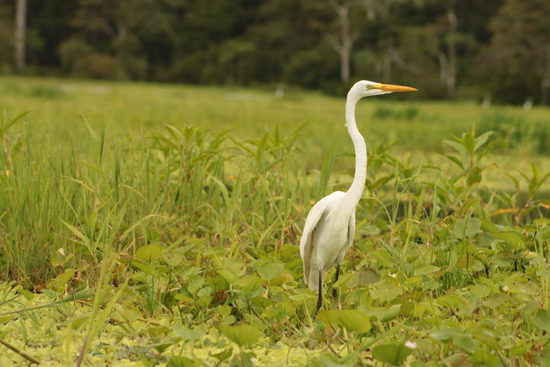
(491, 49)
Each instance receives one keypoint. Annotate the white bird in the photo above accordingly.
(330, 225)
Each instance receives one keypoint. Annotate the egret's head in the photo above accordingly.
(365, 88)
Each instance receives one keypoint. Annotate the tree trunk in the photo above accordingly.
(20, 29)
(122, 33)
(545, 92)
(545, 83)
(345, 55)
(453, 27)
(345, 65)
(370, 9)
(443, 66)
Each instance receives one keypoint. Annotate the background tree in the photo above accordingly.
(20, 30)
(337, 20)
(520, 50)
(6, 37)
(385, 25)
(448, 48)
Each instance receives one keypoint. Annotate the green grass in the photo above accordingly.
(127, 109)
(146, 239)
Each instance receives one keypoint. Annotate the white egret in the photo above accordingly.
(330, 225)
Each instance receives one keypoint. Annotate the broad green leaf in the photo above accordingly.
(26, 293)
(465, 342)
(50, 293)
(485, 359)
(224, 310)
(383, 257)
(184, 298)
(390, 314)
(474, 176)
(328, 359)
(242, 334)
(130, 314)
(495, 300)
(149, 253)
(486, 336)
(542, 320)
(228, 276)
(459, 147)
(488, 226)
(351, 320)
(189, 334)
(5, 318)
(229, 320)
(442, 335)
(382, 314)
(173, 257)
(270, 270)
(223, 355)
(59, 282)
(385, 291)
(165, 344)
(455, 160)
(182, 361)
(195, 285)
(367, 276)
(250, 283)
(394, 354)
(520, 349)
(451, 301)
(513, 239)
(145, 268)
(481, 291)
(480, 140)
(235, 265)
(466, 228)
(425, 269)
(206, 291)
(77, 322)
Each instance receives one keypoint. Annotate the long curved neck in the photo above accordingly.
(355, 192)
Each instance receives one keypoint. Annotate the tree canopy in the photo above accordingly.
(448, 48)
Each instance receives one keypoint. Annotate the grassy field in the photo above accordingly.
(158, 225)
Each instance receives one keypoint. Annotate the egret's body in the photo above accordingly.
(330, 225)
(332, 236)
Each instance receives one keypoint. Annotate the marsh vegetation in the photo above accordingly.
(158, 225)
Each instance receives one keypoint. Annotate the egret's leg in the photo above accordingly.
(320, 299)
(334, 291)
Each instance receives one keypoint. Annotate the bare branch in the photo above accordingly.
(337, 46)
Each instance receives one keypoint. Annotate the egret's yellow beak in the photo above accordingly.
(394, 88)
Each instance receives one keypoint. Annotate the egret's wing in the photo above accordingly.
(322, 207)
(306, 242)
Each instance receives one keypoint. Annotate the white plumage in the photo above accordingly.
(330, 225)
(327, 235)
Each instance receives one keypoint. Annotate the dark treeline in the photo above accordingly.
(498, 49)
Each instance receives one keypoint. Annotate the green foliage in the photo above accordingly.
(517, 133)
(178, 245)
(351, 320)
(447, 49)
(407, 113)
(242, 335)
(394, 354)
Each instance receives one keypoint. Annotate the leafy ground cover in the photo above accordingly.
(177, 246)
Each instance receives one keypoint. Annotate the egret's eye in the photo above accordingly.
(369, 86)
